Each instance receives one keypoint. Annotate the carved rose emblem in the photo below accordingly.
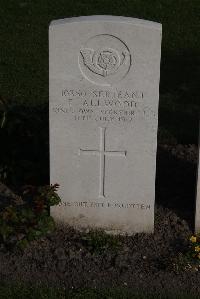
(107, 60)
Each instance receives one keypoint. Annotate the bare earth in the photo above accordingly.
(147, 262)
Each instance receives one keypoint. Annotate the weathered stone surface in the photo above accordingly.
(197, 216)
(104, 91)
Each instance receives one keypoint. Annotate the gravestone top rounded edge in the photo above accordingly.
(108, 18)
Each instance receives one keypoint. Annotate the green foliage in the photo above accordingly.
(194, 247)
(20, 224)
(98, 241)
(190, 259)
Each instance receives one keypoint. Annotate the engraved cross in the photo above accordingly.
(102, 153)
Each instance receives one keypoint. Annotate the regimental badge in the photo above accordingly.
(104, 59)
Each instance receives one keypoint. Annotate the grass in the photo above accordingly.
(24, 74)
(24, 51)
(24, 40)
(31, 292)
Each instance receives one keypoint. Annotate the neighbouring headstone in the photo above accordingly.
(104, 93)
(197, 214)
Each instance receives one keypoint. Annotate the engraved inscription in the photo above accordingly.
(105, 94)
(99, 105)
(102, 153)
(87, 204)
(104, 59)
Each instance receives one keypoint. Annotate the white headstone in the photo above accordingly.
(197, 214)
(104, 93)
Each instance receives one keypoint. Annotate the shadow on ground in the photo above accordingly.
(176, 185)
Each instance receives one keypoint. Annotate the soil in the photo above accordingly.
(153, 263)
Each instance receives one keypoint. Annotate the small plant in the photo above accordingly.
(194, 247)
(189, 261)
(29, 220)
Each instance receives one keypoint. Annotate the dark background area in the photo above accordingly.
(24, 146)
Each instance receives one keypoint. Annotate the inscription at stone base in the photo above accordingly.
(85, 204)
